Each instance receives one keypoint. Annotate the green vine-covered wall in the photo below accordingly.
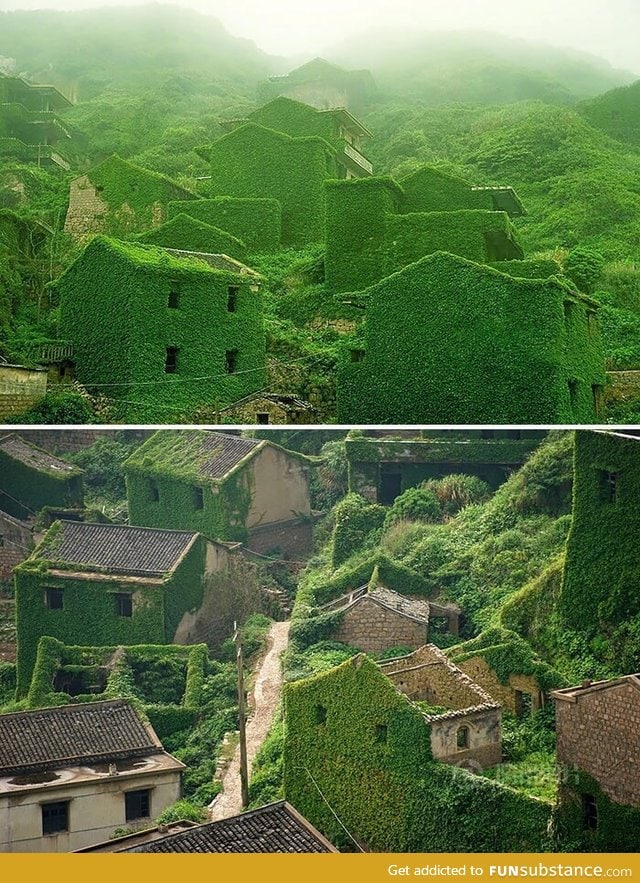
(253, 161)
(24, 490)
(190, 234)
(256, 222)
(115, 309)
(600, 582)
(617, 828)
(161, 485)
(89, 613)
(412, 364)
(391, 794)
(355, 519)
(431, 190)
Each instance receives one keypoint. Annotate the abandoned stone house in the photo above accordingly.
(224, 486)
(161, 334)
(71, 776)
(382, 464)
(118, 198)
(597, 725)
(523, 351)
(275, 827)
(323, 85)
(377, 619)
(21, 387)
(336, 125)
(31, 128)
(110, 584)
(264, 408)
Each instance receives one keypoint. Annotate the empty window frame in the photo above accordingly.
(53, 598)
(137, 805)
(124, 604)
(321, 714)
(171, 360)
(381, 733)
(357, 355)
(609, 486)
(174, 295)
(262, 418)
(198, 498)
(231, 361)
(573, 394)
(232, 298)
(55, 817)
(462, 738)
(589, 812)
(154, 491)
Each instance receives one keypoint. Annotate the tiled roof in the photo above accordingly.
(277, 827)
(223, 453)
(119, 548)
(49, 738)
(217, 261)
(416, 608)
(18, 449)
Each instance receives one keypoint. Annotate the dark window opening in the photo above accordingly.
(1, 540)
(230, 361)
(592, 323)
(154, 491)
(232, 298)
(357, 355)
(568, 310)
(609, 486)
(124, 604)
(262, 418)
(99, 188)
(174, 296)
(137, 805)
(589, 812)
(171, 361)
(55, 817)
(321, 714)
(596, 392)
(198, 498)
(462, 737)
(573, 394)
(390, 486)
(53, 599)
(381, 732)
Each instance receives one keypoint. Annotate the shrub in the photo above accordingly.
(415, 504)
(454, 492)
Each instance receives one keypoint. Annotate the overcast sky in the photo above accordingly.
(610, 28)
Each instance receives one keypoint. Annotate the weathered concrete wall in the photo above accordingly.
(20, 389)
(16, 543)
(598, 734)
(482, 674)
(280, 485)
(372, 628)
(483, 736)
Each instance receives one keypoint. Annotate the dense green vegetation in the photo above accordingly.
(153, 84)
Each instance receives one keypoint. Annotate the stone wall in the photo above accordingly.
(293, 539)
(371, 628)
(68, 441)
(598, 733)
(87, 210)
(428, 676)
(484, 739)
(16, 543)
(506, 695)
(20, 389)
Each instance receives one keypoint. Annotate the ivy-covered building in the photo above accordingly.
(398, 788)
(112, 584)
(323, 85)
(382, 464)
(185, 233)
(376, 226)
(225, 486)
(448, 340)
(336, 125)
(253, 162)
(256, 221)
(119, 198)
(600, 579)
(599, 796)
(160, 335)
(32, 478)
(31, 128)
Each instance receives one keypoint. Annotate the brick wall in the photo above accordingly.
(372, 628)
(86, 210)
(599, 735)
(482, 674)
(20, 389)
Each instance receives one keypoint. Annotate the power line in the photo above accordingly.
(333, 812)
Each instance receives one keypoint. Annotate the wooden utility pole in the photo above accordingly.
(244, 772)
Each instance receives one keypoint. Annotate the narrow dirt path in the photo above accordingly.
(266, 695)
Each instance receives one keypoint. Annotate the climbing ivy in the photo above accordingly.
(257, 221)
(26, 489)
(186, 232)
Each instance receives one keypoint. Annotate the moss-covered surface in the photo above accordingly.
(116, 309)
(617, 827)
(89, 614)
(391, 795)
(410, 364)
(255, 221)
(432, 190)
(26, 489)
(187, 233)
(254, 161)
